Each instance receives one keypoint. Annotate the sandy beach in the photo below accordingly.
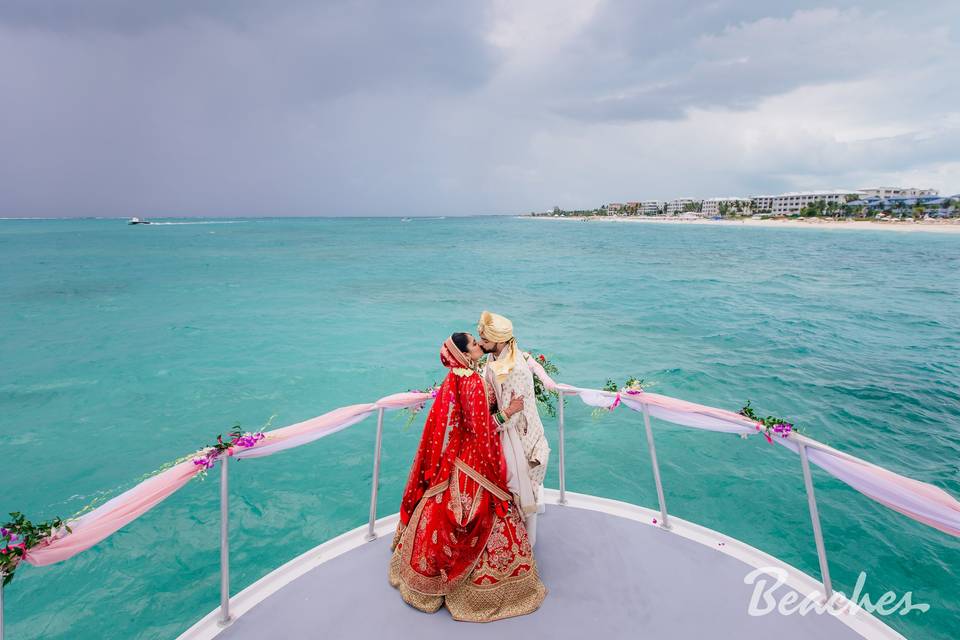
(942, 226)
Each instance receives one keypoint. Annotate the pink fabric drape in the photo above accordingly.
(106, 519)
(111, 516)
(920, 501)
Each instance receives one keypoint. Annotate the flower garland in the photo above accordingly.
(19, 535)
(546, 399)
(769, 426)
(632, 387)
(207, 457)
(416, 409)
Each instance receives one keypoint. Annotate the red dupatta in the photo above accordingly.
(430, 466)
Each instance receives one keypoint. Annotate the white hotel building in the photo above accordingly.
(889, 192)
(711, 206)
(761, 204)
(650, 207)
(676, 207)
(788, 203)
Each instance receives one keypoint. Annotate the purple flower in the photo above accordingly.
(3, 532)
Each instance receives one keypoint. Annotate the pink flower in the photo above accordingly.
(654, 521)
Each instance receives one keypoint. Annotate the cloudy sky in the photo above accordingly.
(299, 107)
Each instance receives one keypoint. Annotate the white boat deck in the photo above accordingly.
(611, 573)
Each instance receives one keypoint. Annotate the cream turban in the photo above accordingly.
(496, 328)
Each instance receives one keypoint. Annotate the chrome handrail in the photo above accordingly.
(375, 481)
(656, 469)
(815, 519)
(563, 483)
(224, 619)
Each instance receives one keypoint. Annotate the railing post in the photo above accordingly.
(815, 519)
(2, 576)
(376, 478)
(656, 469)
(224, 619)
(563, 482)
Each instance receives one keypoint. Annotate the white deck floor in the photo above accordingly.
(609, 571)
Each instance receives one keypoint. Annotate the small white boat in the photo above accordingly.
(136, 220)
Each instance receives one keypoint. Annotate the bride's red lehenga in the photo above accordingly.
(460, 541)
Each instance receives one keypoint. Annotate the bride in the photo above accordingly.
(461, 541)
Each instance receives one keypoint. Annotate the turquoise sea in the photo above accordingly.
(125, 347)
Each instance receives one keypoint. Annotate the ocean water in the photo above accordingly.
(125, 347)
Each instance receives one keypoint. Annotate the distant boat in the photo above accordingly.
(138, 221)
(404, 219)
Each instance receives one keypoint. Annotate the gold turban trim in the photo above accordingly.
(496, 328)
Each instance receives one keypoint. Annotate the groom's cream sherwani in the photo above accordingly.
(524, 443)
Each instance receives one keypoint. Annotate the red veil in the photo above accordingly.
(457, 486)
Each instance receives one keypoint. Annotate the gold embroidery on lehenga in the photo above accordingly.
(481, 480)
(433, 538)
(456, 499)
(507, 598)
(404, 573)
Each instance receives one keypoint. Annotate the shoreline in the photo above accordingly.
(935, 227)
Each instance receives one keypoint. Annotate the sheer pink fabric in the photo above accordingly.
(111, 516)
(96, 525)
(918, 500)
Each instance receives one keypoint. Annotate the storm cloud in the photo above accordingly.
(249, 107)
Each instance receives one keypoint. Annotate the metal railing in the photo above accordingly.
(224, 618)
(664, 516)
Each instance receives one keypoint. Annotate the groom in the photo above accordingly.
(524, 443)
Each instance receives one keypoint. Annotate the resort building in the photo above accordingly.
(713, 207)
(933, 205)
(613, 207)
(682, 205)
(650, 207)
(794, 202)
(893, 192)
(761, 204)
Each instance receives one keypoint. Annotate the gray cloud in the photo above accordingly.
(371, 108)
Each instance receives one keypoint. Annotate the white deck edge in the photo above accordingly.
(866, 625)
